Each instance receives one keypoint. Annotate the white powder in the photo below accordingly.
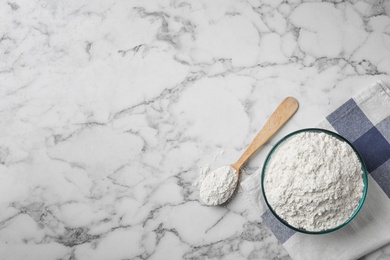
(314, 181)
(218, 186)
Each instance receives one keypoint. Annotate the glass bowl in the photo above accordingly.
(364, 176)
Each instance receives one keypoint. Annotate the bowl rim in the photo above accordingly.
(364, 176)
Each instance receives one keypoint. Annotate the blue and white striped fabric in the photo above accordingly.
(365, 121)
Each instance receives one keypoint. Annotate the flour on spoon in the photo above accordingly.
(218, 186)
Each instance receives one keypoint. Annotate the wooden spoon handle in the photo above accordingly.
(278, 118)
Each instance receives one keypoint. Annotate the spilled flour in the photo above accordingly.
(218, 186)
(314, 181)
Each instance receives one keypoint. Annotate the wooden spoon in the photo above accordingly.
(211, 191)
(277, 119)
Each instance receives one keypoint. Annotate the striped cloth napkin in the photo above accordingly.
(365, 121)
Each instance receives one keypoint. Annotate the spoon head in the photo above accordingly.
(219, 185)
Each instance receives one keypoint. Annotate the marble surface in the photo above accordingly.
(110, 109)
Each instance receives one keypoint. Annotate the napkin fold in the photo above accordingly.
(365, 121)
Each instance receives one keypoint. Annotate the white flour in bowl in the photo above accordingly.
(218, 186)
(314, 181)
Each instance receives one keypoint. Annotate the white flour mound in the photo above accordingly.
(218, 186)
(314, 181)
